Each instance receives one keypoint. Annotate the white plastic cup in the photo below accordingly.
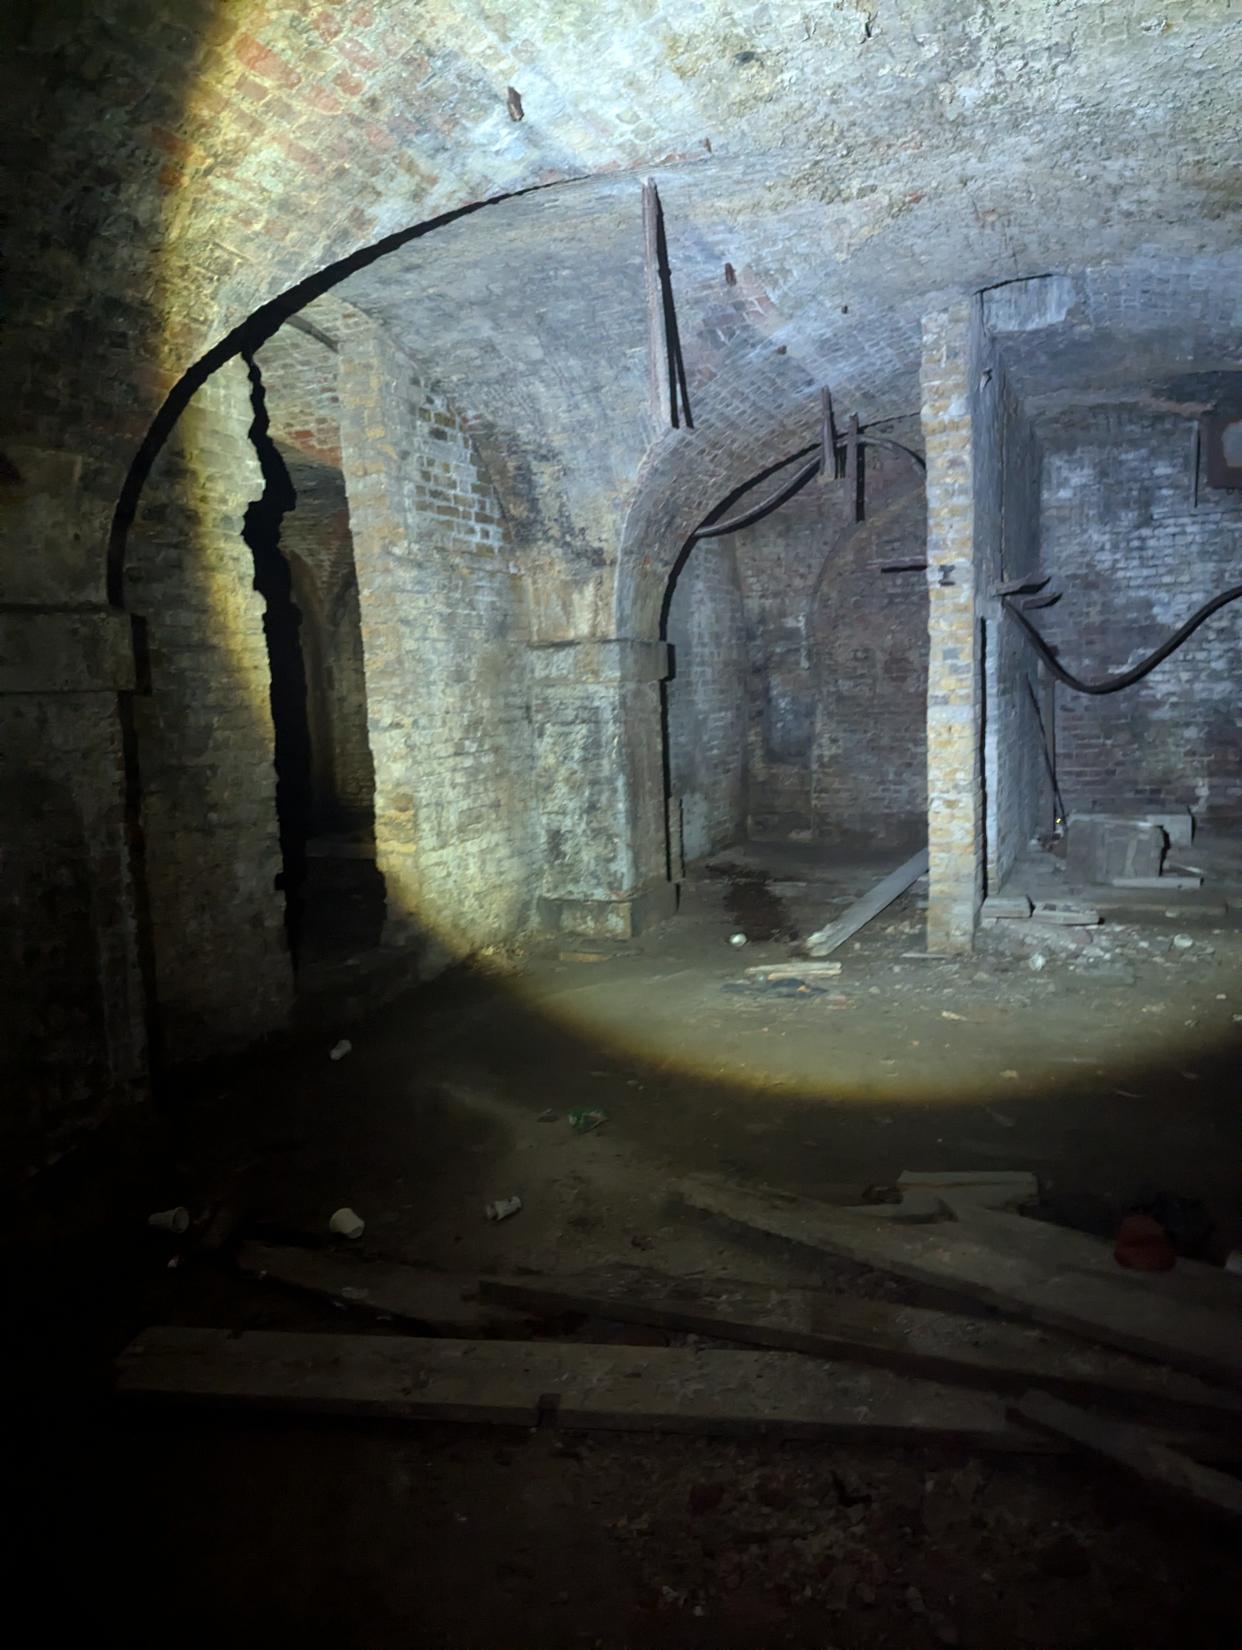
(345, 1223)
(170, 1220)
(502, 1208)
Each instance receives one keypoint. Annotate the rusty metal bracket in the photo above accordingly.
(669, 392)
(1032, 602)
(808, 473)
(827, 438)
(1031, 585)
(853, 470)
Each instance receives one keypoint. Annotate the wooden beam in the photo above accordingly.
(1187, 1318)
(1135, 1452)
(936, 1345)
(438, 1301)
(521, 1383)
(858, 915)
(668, 1389)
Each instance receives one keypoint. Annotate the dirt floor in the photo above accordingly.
(1105, 1060)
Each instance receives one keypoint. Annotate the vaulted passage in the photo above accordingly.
(620, 626)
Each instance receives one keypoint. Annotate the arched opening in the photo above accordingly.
(795, 710)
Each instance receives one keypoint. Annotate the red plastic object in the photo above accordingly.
(1143, 1245)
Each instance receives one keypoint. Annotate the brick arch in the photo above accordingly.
(756, 412)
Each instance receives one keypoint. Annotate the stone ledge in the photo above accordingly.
(594, 659)
(62, 650)
(609, 919)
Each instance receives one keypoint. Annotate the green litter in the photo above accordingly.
(585, 1118)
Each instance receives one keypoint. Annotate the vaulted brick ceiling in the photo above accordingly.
(851, 160)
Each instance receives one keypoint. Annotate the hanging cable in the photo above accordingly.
(1114, 684)
(795, 485)
(757, 512)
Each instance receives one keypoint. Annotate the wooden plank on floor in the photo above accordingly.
(943, 1346)
(1189, 1318)
(670, 1389)
(1134, 1451)
(441, 1301)
(858, 915)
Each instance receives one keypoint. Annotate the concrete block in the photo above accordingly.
(1178, 827)
(1065, 914)
(1016, 906)
(1102, 847)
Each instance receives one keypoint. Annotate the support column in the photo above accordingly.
(445, 627)
(954, 693)
(599, 771)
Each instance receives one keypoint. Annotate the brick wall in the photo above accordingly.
(706, 700)
(837, 661)
(445, 633)
(205, 739)
(72, 1038)
(869, 658)
(1135, 554)
(1017, 705)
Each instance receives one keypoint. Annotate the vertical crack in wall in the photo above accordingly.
(282, 623)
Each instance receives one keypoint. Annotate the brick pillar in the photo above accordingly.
(954, 698)
(600, 778)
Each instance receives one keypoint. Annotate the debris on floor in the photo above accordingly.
(345, 1223)
(1066, 913)
(766, 973)
(1143, 1245)
(441, 1302)
(844, 927)
(1006, 908)
(170, 1220)
(1136, 1452)
(582, 1119)
(502, 1208)
(815, 1365)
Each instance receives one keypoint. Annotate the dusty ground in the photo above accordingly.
(1109, 1069)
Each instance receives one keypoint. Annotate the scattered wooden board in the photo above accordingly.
(438, 1301)
(943, 1346)
(1175, 881)
(913, 1205)
(668, 1389)
(988, 1188)
(1066, 913)
(793, 971)
(1190, 1318)
(870, 905)
(1135, 1451)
